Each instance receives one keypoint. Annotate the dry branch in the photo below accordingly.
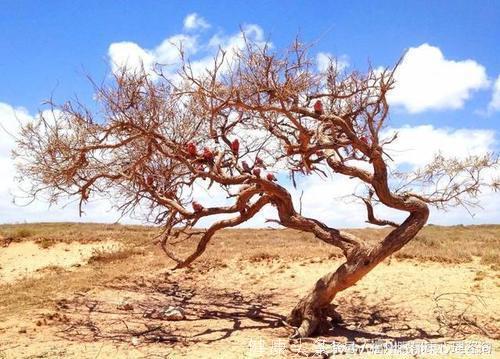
(254, 113)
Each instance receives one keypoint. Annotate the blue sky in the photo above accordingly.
(49, 47)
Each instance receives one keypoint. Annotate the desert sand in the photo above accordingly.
(102, 307)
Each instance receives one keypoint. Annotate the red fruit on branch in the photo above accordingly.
(256, 172)
(235, 146)
(259, 162)
(149, 180)
(270, 177)
(320, 154)
(208, 155)
(318, 107)
(197, 207)
(289, 150)
(364, 139)
(191, 149)
(246, 167)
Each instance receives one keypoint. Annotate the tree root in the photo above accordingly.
(311, 321)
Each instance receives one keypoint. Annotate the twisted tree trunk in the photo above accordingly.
(314, 313)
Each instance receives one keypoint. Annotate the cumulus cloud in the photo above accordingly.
(324, 199)
(132, 57)
(416, 146)
(13, 201)
(230, 44)
(494, 104)
(328, 199)
(194, 21)
(323, 61)
(129, 55)
(426, 80)
(167, 53)
(237, 40)
(10, 118)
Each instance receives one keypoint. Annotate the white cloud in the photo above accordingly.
(12, 200)
(129, 55)
(9, 123)
(494, 104)
(194, 21)
(323, 60)
(133, 57)
(167, 53)
(329, 200)
(488, 212)
(324, 198)
(417, 145)
(237, 41)
(425, 80)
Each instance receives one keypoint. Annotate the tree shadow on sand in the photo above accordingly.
(212, 316)
(380, 320)
(209, 315)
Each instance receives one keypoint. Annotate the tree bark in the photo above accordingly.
(314, 313)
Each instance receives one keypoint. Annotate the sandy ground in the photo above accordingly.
(27, 259)
(235, 311)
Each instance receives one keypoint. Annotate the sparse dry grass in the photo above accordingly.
(263, 257)
(104, 256)
(15, 234)
(455, 244)
(251, 255)
(32, 293)
(492, 259)
(48, 234)
(480, 275)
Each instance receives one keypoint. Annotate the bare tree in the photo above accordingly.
(239, 124)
